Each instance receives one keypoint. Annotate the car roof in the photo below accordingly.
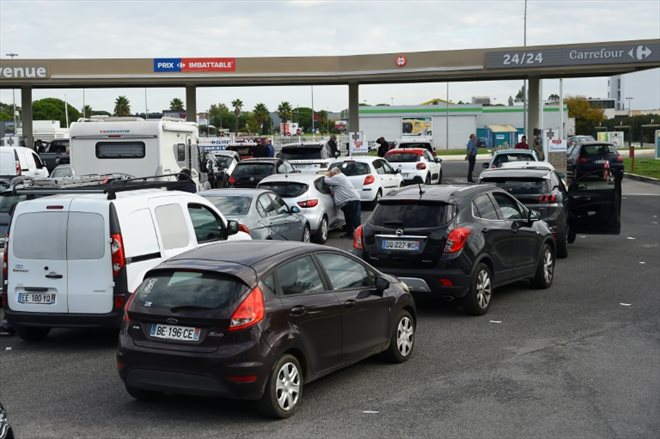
(122, 195)
(360, 158)
(234, 192)
(258, 160)
(514, 151)
(447, 193)
(413, 140)
(417, 151)
(306, 144)
(527, 165)
(297, 177)
(515, 173)
(595, 143)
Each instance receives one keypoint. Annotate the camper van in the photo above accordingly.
(135, 146)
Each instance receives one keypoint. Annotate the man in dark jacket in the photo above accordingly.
(185, 176)
(383, 146)
(332, 144)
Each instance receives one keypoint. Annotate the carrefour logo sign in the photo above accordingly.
(23, 72)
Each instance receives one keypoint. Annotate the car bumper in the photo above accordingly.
(57, 320)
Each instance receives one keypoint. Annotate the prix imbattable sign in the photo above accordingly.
(193, 65)
(576, 56)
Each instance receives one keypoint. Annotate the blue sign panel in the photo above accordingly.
(167, 64)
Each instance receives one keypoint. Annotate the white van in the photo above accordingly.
(73, 260)
(134, 146)
(20, 161)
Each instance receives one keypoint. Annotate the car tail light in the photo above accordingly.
(250, 312)
(457, 239)
(368, 180)
(232, 180)
(309, 203)
(241, 379)
(444, 282)
(129, 300)
(357, 239)
(582, 159)
(19, 171)
(117, 249)
(421, 165)
(243, 228)
(550, 198)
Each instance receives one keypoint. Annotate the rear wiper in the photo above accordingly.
(189, 308)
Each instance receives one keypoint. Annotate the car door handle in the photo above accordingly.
(349, 303)
(298, 310)
(54, 276)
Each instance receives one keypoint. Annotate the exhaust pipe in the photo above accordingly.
(448, 298)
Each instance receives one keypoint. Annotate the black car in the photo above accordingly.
(5, 428)
(249, 172)
(593, 161)
(252, 321)
(457, 242)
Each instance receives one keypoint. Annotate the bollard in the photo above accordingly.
(631, 154)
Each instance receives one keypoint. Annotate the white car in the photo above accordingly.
(416, 165)
(73, 259)
(311, 156)
(20, 161)
(502, 156)
(415, 142)
(372, 177)
(227, 160)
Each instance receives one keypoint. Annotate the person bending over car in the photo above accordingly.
(346, 198)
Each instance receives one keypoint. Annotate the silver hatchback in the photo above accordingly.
(309, 193)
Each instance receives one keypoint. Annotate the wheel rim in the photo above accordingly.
(484, 289)
(324, 229)
(287, 386)
(306, 234)
(548, 266)
(405, 333)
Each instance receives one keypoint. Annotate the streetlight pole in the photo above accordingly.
(629, 99)
(524, 89)
(13, 97)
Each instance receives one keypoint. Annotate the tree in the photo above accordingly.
(520, 96)
(176, 104)
(303, 115)
(323, 121)
(262, 116)
(86, 111)
(54, 109)
(253, 124)
(553, 97)
(122, 106)
(586, 116)
(284, 111)
(238, 106)
(510, 101)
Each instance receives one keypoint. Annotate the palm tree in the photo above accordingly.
(176, 104)
(262, 115)
(284, 111)
(122, 106)
(86, 111)
(238, 106)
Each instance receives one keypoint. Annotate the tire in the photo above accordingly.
(545, 270)
(478, 299)
(571, 235)
(142, 394)
(283, 390)
(562, 243)
(32, 334)
(440, 177)
(374, 203)
(321, 234)
(307, 234)
(402, 340)
(428, 179)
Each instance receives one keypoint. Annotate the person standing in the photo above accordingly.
(189, 184)
(332, 144)
(522, 144)
(383, 146)
(270, 147)
(471, 156)
(346, 198)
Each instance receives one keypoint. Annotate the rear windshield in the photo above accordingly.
(503, 158)
(246, 169)
(120, 150)
(285, 189)
(402, 158)
(412, 214)
(188, 288)
(520, 186)
(224, 161)
(597, 150)
(352, 168)
(301, 153)
(230, 205)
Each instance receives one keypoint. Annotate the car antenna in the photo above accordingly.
(421, 191)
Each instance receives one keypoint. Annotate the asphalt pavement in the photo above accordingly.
(581, 359)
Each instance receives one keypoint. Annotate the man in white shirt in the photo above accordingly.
(346, 198)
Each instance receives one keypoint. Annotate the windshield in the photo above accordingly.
(246, 169)
(352, 168)
(285, 189)
(603, 149)
(412, 214)
(402, 158)
(230, 205)
(188, 288)
(503, 158)
(224, 161)
(302, 153)
(519, 186)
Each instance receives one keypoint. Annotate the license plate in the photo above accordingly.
(36, 298)
(171, 332)
(599, 162)
(389, 244)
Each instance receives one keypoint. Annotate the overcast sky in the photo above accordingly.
(176, 28)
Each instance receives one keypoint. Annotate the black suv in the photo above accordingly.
(458, 242)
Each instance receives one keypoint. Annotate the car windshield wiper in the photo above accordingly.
(190, 308)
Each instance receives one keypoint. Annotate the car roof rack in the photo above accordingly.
(108, 184)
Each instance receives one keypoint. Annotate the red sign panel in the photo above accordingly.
(208, 64)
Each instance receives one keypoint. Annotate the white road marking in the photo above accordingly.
(625, 304)
(496, 321)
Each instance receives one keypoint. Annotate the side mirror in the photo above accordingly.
(438, 160)
(398, 170)
(533, 215)
(232, 227)
(382, 284)
(294, 209)
(484, 165)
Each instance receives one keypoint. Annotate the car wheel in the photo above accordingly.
(402, 339)
(571, 235)
(428, 179)
(321, 234)
(374, 203)
(562, 243)
(545, 270)
(307, 234)
(440, 177)
(283, 389)
(477, 301)
(32, 334)
(142, 394)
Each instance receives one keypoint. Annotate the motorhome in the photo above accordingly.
(135, 146)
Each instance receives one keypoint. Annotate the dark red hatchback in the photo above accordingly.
(255, 320)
